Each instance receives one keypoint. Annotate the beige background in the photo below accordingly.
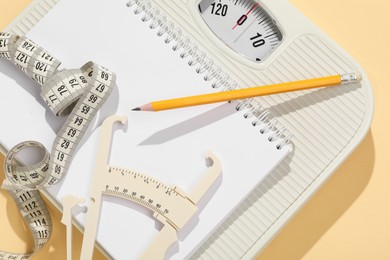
(349, 218)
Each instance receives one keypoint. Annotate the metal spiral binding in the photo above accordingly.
(205, 65)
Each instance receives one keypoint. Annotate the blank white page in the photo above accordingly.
(169, 146)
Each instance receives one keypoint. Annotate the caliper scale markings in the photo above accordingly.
(163, 200)
(169, 204)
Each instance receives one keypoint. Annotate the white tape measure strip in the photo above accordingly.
(78, 93)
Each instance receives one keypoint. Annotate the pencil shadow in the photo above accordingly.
(292, 105)
(311, 98)
(191, 124)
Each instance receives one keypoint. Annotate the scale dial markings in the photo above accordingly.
(243, 25)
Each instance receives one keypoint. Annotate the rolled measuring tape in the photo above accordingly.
(76, 93)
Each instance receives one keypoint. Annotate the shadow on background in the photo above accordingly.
(328, 205)
(12, 242)
(18, 238)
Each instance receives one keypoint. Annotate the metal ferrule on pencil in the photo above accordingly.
(350, 78)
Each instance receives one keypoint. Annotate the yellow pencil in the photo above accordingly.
(329, 81)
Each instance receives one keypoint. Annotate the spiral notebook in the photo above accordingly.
(169, 145)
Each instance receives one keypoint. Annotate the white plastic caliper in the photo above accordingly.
(169, 204)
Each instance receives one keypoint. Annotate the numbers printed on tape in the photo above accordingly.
(78, 93)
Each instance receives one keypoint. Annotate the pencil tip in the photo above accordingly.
(146, 107)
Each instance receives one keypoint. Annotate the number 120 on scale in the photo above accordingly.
(243, 25)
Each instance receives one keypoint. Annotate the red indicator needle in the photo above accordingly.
(245, 16)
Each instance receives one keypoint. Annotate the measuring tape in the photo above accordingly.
(76, 93)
